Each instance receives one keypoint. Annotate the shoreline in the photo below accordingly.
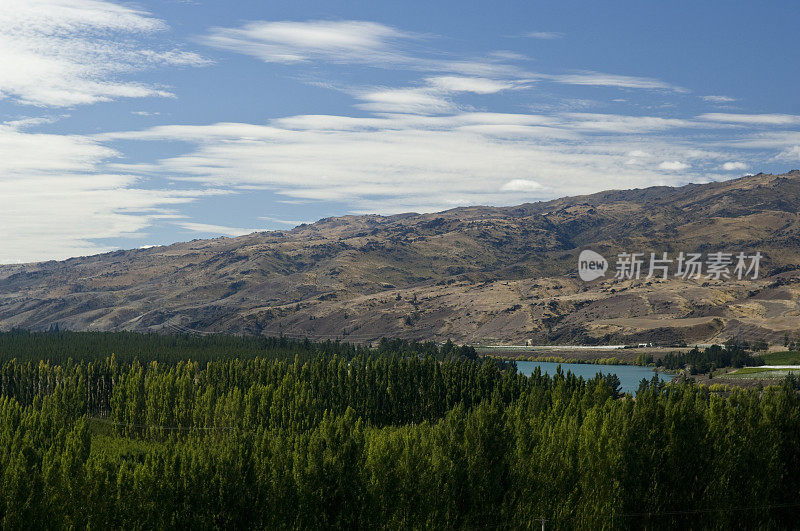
(602, 355)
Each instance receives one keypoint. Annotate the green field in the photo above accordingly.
(760, 372)
(782, 358)
(753, 370)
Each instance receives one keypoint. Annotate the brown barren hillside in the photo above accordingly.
(476, 274)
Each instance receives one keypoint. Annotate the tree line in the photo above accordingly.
(62, 346)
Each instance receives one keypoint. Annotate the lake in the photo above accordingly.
(629, 375)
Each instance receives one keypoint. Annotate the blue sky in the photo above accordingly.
(131, 124)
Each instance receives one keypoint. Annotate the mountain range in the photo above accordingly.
(474, 275)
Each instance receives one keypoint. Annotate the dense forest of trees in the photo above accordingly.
(306, 435)
(710, 358)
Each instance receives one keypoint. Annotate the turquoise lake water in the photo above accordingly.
(629, 375)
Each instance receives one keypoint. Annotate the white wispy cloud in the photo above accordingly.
(791, 154)
(624, 124)
(718, 99)
(406, 100)
(521, 185)
(601, 79)
(731, 166)
(206, 228)
(544, 35)
(70, 52)
(766, 136)
(476, 85)
(286, 221)
(508, 55)
(752, 119)
(673, 165)
(432, 97)
(349, 41)
(31, 121)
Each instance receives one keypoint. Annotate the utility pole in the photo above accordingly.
(542, 520)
